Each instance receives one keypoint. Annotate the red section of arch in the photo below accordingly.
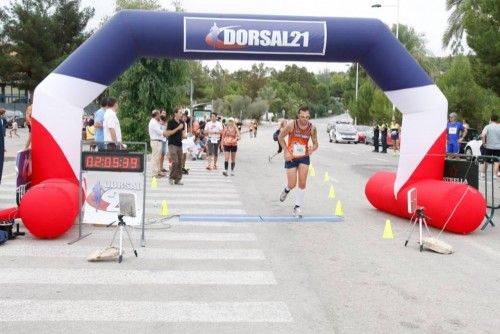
(463, 206)
(432, 165)
(49, 162)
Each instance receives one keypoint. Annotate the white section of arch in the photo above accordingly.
(58, 105)
(424, 112)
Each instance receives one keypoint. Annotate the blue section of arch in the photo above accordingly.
(133, 34)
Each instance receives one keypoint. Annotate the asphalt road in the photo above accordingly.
(228, 277)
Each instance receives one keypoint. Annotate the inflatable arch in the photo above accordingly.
(50, 207)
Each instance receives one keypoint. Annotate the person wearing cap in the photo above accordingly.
(230, 138)
(156, 135)
(455, 134)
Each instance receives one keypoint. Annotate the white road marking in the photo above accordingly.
(143, 311)
(47, 251)
(138, 277)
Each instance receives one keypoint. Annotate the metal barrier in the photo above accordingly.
(489, 217)
(465, 169)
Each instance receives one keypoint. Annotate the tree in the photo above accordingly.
(256, 80)
(218, 77)
(148, 84)
(454, 32)
(202, 88)
(36, 35)
(482, 21)
(465, 96)
(256, 110)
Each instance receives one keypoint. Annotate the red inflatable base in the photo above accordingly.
(50, 208)
(461, 204)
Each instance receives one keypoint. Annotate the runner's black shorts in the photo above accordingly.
(230, 148)
(213, 148)
(294, 163)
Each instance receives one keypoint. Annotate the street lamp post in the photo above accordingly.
(377, 5)
(357, 80)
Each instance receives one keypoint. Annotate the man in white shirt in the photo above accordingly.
(111, 125)
(156, 135)
(491, 142)
(213, 130)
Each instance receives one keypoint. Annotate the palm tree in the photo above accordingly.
(454, 32)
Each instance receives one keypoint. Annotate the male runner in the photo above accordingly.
(297, 154)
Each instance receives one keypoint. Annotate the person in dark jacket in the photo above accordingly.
(376, 133)
(383, 137)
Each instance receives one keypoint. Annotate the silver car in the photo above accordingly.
(343, 133)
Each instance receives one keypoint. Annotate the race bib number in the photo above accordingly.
(298, 149)
(452, 131)
(214, 140)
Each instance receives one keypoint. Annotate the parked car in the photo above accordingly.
(471, 145)
(343, 133)
(361, 135)
(369, 138)
(472, 134)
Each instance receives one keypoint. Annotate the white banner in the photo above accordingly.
(102, 191)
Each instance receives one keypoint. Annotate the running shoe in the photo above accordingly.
(283, 195)
(296, 211)
(179, 183)
(224, 173)
(232, 173)
(171, 182)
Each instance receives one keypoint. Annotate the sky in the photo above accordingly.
(425, 16)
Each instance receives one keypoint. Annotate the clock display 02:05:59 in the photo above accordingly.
(112, 162)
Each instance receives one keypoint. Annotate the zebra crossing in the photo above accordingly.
(203, 192)
(189, 273)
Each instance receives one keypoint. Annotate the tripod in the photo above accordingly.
(421, 219)
(120, 227)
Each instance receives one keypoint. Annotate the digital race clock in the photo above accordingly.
(113, 161)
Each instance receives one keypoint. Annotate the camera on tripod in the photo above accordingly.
(127, 208)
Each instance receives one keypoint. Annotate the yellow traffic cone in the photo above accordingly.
(327, 177)
(312, 172)
(164, 209)
(388, 230)
(331, 193)
(154, 183)
(338, 209)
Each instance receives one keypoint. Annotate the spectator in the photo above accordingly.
(491, 142)
(383, 137)
(14, 128)
(27, 116)
(456, 133)
(164, 145)
(376, 135)
(175, 130)
(156, 135)
(98, 124)
(3, 126)
(90, 133)
(111, 124)
(395, 129)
